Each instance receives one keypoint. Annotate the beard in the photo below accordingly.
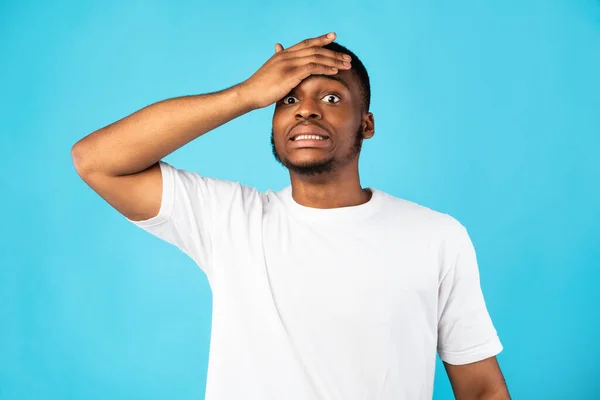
(322, 166)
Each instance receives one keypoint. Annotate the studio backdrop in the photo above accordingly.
(488, 111)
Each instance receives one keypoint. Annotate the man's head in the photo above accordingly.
(332, 107)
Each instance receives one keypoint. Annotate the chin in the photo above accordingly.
(304, 162)
(310, 167)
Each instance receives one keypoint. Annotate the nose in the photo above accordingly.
(308, 108)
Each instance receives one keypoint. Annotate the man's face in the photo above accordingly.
(324, 106)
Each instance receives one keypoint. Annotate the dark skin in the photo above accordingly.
(336, 107)
(120, 161)
(481, 380)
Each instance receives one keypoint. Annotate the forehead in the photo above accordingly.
(344, 78)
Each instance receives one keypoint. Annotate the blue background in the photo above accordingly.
(488, 111)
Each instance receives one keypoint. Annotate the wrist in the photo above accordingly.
(244, 96)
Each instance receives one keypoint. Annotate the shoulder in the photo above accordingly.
(440, 230)
(196, 180)
(443, 233)
(410, 212)
(214, 194)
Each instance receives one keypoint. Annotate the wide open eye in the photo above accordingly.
(286, 98)
(331, 98)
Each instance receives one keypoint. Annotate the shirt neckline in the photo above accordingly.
(349, 213)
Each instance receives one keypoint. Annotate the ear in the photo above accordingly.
(368, 125)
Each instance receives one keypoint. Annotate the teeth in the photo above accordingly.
(309, 137)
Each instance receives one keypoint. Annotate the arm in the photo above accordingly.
(467, 342)
(481, 380)
(120, 161)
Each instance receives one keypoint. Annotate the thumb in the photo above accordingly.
(278, 48)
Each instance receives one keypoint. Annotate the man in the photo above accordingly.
(325, 289)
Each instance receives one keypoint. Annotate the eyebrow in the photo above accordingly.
(334, 78)
(330, 77)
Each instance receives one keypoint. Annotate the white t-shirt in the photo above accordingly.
(348, 303)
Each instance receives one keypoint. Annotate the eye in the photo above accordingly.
(331, 98)
(285, 100)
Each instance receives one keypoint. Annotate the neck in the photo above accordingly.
(333, 190)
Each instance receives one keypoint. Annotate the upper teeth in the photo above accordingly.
(313, 137)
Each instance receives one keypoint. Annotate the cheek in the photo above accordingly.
(346, 115)
(278, 123)
(348, 124)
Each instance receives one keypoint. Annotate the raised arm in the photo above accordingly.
(120, 161)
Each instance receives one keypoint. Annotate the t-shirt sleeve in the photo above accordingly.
(187, 212)
(466, 333)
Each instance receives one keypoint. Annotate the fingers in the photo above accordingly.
(318, 50)
(310, 58)
(318, 41)
(312, 68)
(320, 60)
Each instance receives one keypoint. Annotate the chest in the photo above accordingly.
(368, 274)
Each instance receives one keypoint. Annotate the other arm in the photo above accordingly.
(481, 380)
(467, 342)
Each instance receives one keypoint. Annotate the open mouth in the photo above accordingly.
(308, 137)
(309, 141)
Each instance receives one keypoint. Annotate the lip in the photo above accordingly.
(308, 129)
(309, 143)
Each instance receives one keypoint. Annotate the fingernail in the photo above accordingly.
(347, 57)
(330, 35)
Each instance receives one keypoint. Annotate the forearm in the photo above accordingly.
(492, 393)
(141, 139)
(482, 393)
(494, 396)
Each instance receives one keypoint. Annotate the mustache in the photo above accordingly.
(307, 123)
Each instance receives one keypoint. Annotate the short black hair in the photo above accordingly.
(359, 70)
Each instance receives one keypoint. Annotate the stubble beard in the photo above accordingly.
(319, 167)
